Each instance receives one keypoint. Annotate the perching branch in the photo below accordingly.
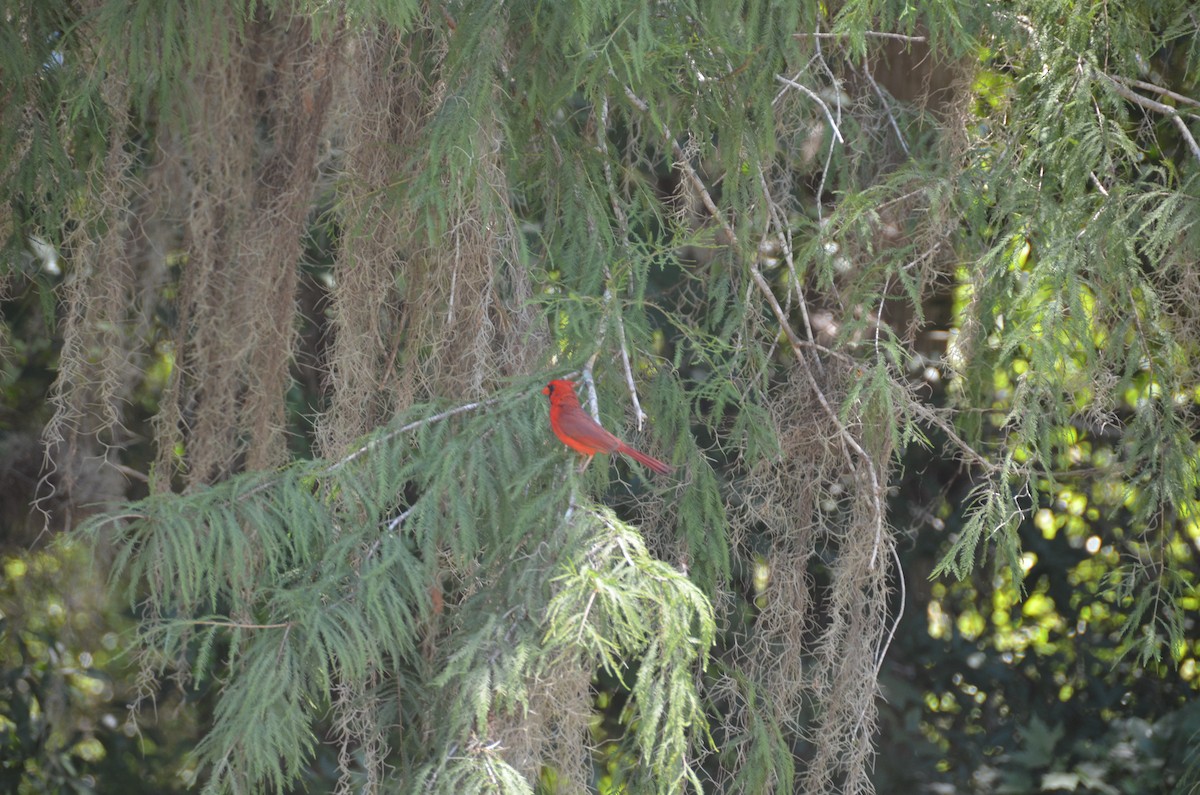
(589, 381)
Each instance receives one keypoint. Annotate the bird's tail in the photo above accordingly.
(649, 461)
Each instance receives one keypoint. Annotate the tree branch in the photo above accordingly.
(787, 81)
(783, 236)
(1149, 104)
(876, 34)
(412, 426)
(240, 625)
(886, 107)
(623, 228)
(1166, 92)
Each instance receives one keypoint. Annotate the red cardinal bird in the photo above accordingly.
(580, 432)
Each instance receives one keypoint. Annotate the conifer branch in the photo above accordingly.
(386, 437)
(1123, 86)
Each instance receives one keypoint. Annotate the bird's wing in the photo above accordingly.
(579, 426)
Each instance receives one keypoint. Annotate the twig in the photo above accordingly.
(887, 643)
(1166, 92)
(117, 517)
(1149, 104)
(878, 34)
(623, 227)
(785, 245)
(900, 198)
(399, 520)
(886, 107)
(371, 445)
(583, 622)
(787, 81)
(930, 416)
(129, 472)
(837, 95)
(240, 625)
(1100, 209)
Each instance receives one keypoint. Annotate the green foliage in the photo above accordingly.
(288, 587)
(619, 604)
(1069, 326)
(65, 686)
(715, 209)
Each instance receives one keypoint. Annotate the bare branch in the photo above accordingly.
(1142, 84)
(931, 417)
(1149, 104)
(783, 236)
(638, 413)
(903, 589)
(1187, 134)
(239, 625)
(623, 226)
(787, 81)
(887, 107)
(589, 384)
(876, 34)
(412, 426)
(843, 431)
